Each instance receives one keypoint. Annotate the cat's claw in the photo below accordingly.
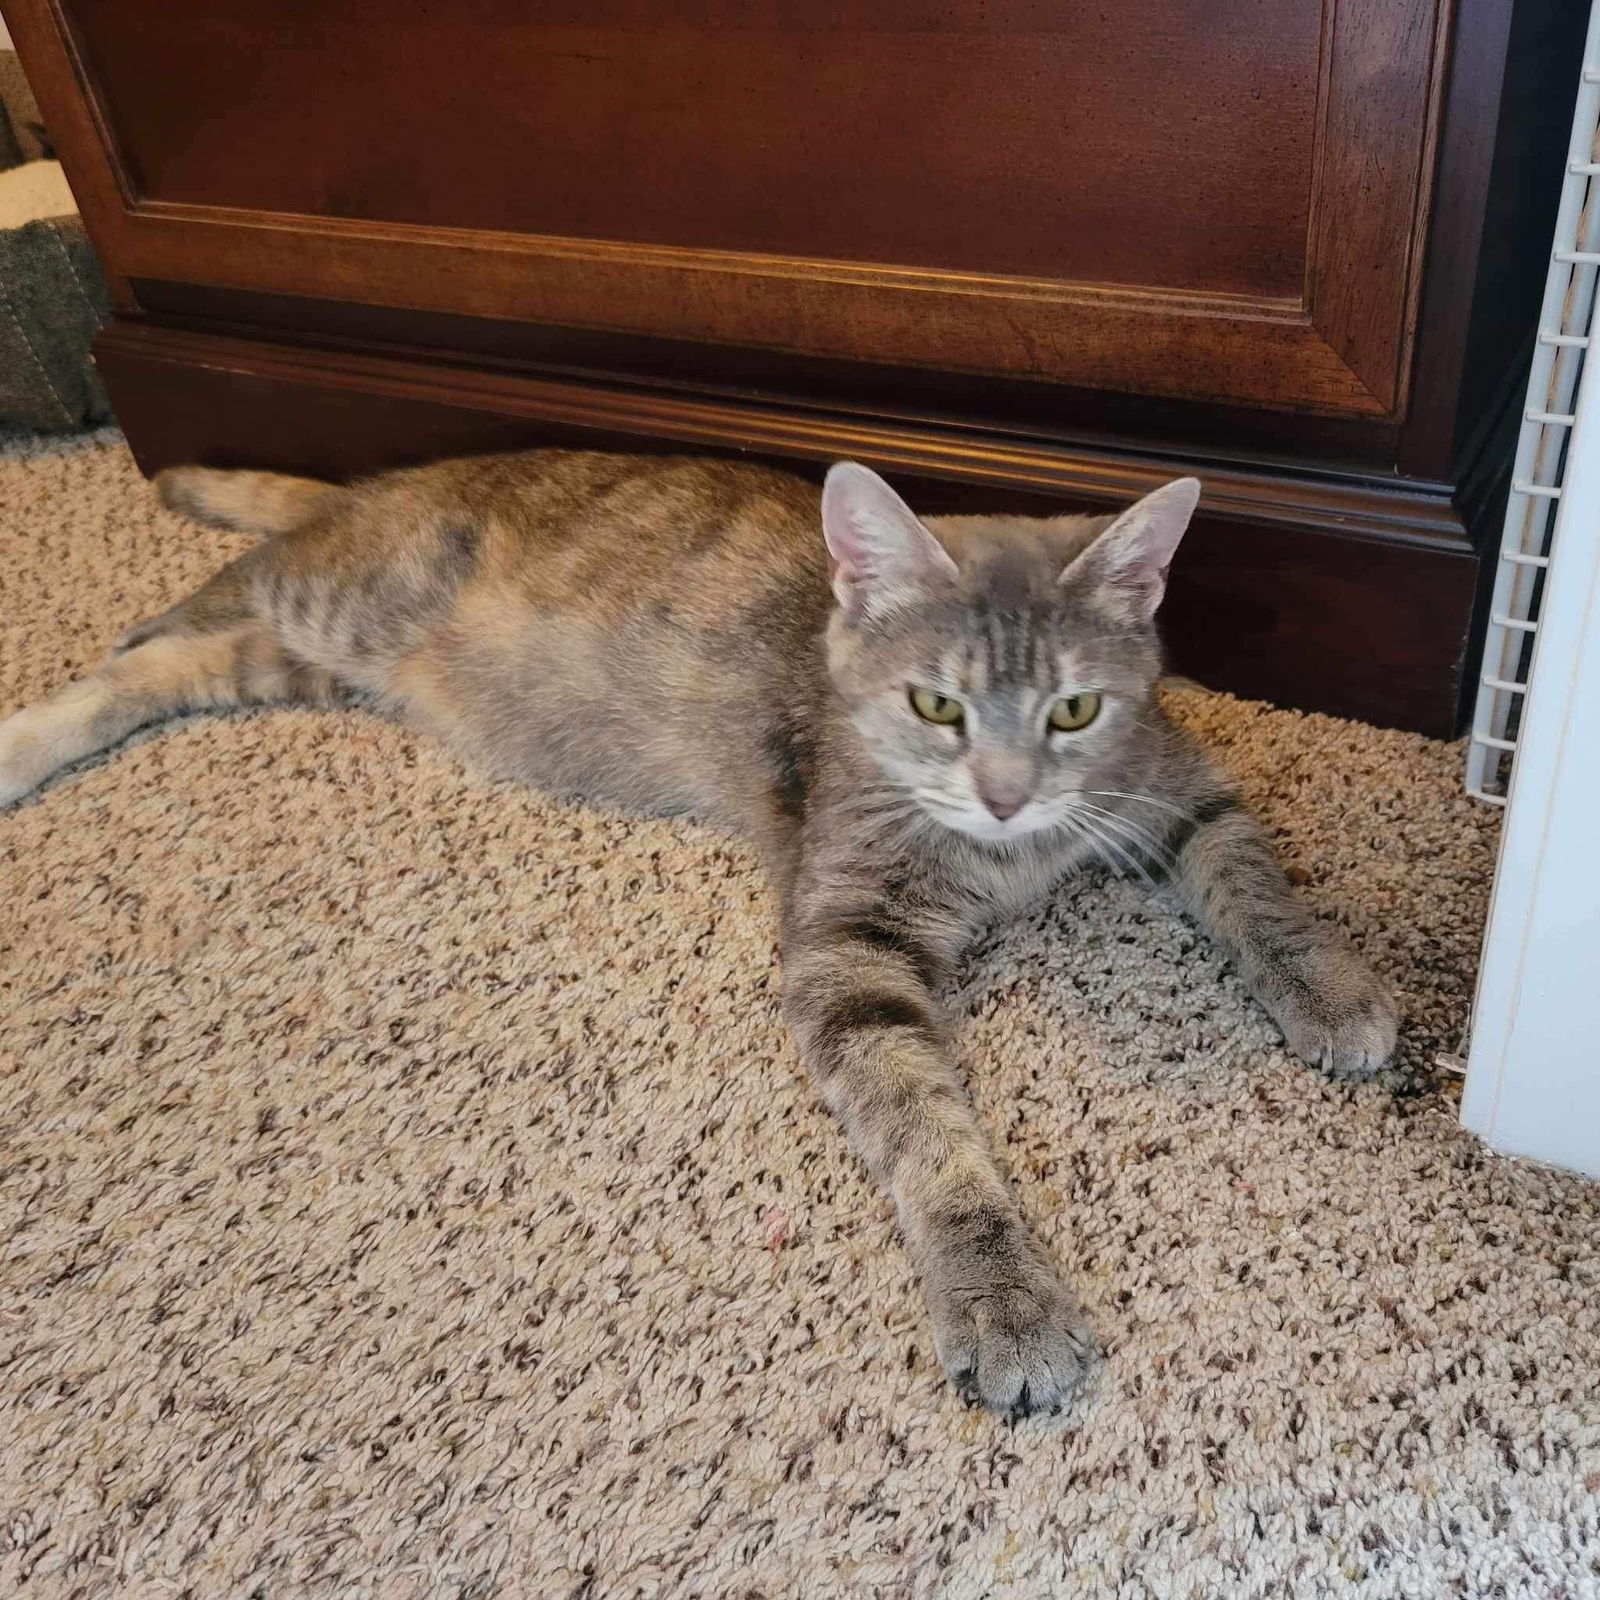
(1345, 1021)
(1357, 1049)
(1021, 1350)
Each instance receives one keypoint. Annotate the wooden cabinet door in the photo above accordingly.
(1218, 199)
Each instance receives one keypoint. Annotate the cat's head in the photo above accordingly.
(996, 667)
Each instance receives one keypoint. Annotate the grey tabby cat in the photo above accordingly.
(921, 733)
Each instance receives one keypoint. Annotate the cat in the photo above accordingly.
(921, 725)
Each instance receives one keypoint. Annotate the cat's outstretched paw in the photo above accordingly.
(18, 756)
(1019, 1347)
(1341, 1018)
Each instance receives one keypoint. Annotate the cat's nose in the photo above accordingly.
(1003, 803)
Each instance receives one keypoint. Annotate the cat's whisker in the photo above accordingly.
(1139, 837)
(1091, 826)
(1121, 862)
(1149, 844)
(1160, 865)
(1148, 799)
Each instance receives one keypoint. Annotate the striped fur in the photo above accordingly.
(671, 634)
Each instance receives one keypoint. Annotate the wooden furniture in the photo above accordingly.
(1026, 253)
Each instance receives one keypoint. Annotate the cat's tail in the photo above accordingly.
(245, 502)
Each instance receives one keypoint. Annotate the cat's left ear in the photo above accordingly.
(881, 555)
(1128, 561)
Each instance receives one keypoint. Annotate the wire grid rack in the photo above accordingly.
(1566, 326)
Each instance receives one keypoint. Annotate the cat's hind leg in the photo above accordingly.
(208, 653)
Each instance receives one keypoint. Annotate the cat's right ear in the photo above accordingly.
(881, 556)
(1128, 561)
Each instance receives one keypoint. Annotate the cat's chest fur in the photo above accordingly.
(953, 887)
(992, 885)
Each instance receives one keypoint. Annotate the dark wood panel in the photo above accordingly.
(1148, 341)
(1332, 595)
(1506, 123)
(1374, 172)
(1289, 352)
(1141, 144)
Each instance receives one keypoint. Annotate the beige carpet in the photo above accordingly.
(407, 1189)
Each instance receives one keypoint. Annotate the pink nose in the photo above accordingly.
(1003, 803)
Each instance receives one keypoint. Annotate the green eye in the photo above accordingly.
(939, 708)
(1074, 711)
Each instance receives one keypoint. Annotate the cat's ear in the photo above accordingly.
(1128, 561)
(881, 556)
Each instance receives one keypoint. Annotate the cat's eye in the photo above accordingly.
(939, 708)
(1074, 711)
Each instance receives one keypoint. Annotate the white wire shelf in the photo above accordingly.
(1566, 325)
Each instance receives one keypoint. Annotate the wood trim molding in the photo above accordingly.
(1419, 514)
(1343, 352)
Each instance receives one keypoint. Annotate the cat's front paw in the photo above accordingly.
(1014, 1340)
(1339, 1015)
(19, 758)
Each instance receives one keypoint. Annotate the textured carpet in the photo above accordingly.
(407, 1189)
